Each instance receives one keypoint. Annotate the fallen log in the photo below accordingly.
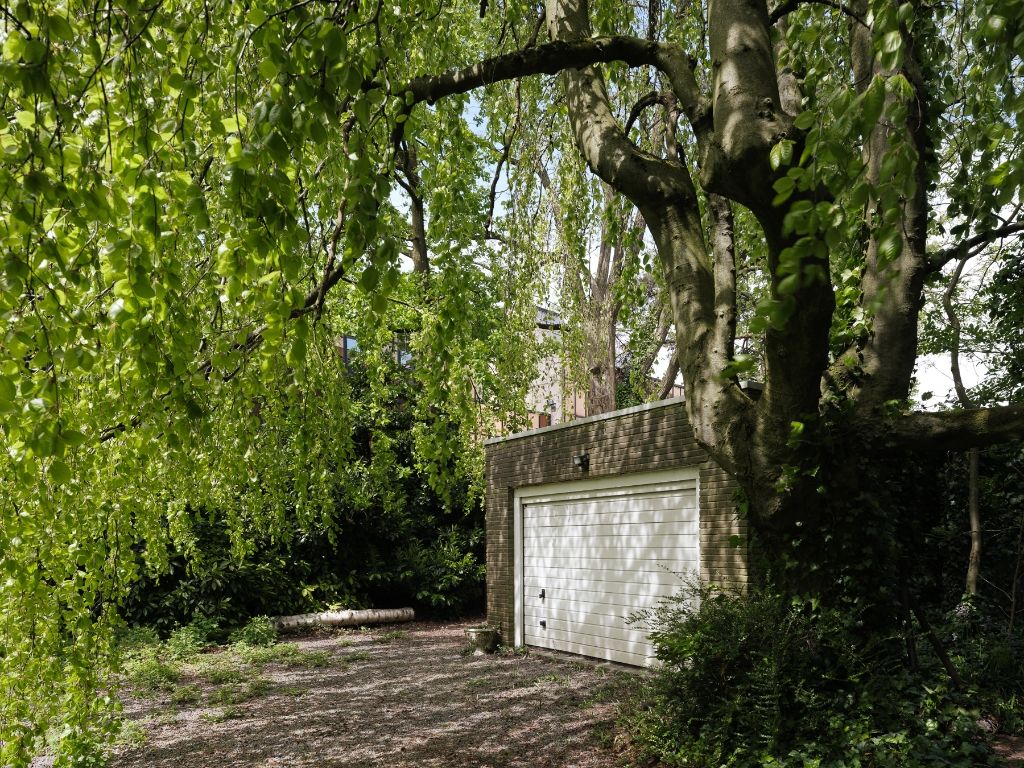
(345, 618)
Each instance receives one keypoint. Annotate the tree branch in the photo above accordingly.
(789, 6)
(961, 249)
(958, 430)
(649, 100)
(668, 381)
(554, 57)
(406, 162)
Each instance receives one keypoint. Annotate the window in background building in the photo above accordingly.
(349, 349)
(403, 349)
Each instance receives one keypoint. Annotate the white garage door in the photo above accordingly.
(593, 553)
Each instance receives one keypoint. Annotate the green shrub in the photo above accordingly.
(392, 539)
(754, 680)
(148, 672)
(186, 694)
(189, 640)
(989, 657)
(260, 632)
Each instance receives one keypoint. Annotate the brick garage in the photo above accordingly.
(579, 512)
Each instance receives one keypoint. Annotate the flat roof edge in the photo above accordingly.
(587, 420)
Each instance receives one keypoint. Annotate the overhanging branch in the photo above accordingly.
(961, 249)
(787, 7)
(958, 430)
(554, 57)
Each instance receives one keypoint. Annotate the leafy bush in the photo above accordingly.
(149, 672)
(990, 659)
(754, 680)
(393, 541)
(189, 640)
(258, 633)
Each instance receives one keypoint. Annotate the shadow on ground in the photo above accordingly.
(414, 701)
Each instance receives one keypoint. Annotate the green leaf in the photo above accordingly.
(369, 279)
(268, 69)
(59, 472)
(781, 154)
(805, 120)
(72, 437)
(995, 27)
(871, 104)
(891, 42)
(8, 391)
(784, 188)
(890, 245)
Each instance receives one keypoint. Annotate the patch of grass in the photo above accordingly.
(167, 717)
(507, 650)
(480, 682)
(130, 734)
(186, 694)
(133, 638)
(315, 659)
(222, 672)
(392, 636)
(351, 658)
(188, 641)
(149, 673)
(294, 690)
(236, 694)
(604, 735)
(282, 653)
(624, 688)
(224, 713)
(288, 654)
(554, 678)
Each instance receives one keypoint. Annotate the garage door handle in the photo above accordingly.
(541, 595)
(543, 624)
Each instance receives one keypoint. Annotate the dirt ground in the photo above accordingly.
(1011, 749)
(415, 700)
(400, 696)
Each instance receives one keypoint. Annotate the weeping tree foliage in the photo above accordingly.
(199, 198)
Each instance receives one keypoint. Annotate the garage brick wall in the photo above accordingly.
(644, 439)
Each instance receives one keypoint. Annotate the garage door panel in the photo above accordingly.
(635, 491)
(614, 532)
(598, 511)
(614, 619)
(581, 551)
(630, 572)
(636, 655)
(591, 634)
(611, 590)
(596, 602)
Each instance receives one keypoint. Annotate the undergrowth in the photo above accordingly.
(755, 680)
(189, 663)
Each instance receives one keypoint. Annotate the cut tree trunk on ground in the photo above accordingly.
(346, 618)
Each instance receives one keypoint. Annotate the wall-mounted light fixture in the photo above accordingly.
(581, 460)
(752, 388)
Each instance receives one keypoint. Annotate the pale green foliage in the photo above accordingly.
(260, 632)
(170, 179)
(177, 179)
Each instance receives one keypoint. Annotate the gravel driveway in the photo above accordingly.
(397, 696)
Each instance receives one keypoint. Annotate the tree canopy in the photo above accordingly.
(199, 198)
